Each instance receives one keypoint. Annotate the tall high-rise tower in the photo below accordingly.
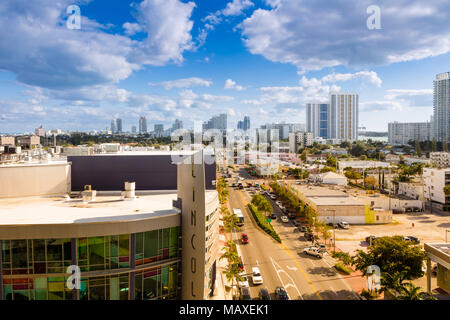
(344, 116)
(441, 107)
(142, 125)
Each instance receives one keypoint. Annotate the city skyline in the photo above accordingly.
(215, 58)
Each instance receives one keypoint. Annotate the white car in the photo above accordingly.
(313, 251)
(344, 225)
(243, 282)
(273, 197)
(284, 219)
(256, 276)
(278, 202)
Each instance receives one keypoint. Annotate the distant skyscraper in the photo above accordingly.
(159, 130)
(246, 124)
(441, 107)
(40, 131)
(318, 119)
(344, 116)
(216, 122)
(402, 133)
(240, 125)
(142, 125)
(133, 129)
(113, 126)
(178, 124)
(119, 125)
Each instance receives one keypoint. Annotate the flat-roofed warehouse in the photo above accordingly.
(334, 206)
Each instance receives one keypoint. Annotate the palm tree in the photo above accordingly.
(232, 272)
(393, 282)
(413, 292)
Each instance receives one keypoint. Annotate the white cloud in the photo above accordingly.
(168, 25)
(132, 28)
(400, 99)
(371, 76)
(231, 85)
(183, 83)
(315, 34)
(236, 7)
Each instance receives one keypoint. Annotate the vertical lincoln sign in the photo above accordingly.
(191, 190)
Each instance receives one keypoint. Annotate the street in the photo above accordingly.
(303, 277)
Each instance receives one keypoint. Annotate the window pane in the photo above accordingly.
(114, 241)
(96, 251)
(173, 237)
(19, 253)
(150, 285)
(54, 250)
(150, 244)
(67, 248)
(39, 250)
(82, 249)
(124, 245)
(139, 238)
(138, 287)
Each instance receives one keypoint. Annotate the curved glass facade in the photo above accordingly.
(120, 267)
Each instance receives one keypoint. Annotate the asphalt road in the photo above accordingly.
(303, 277)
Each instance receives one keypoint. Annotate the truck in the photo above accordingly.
(239, 215)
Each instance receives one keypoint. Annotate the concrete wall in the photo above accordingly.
(150, 172)
(34, 180)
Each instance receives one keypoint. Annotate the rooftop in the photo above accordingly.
(316, 191)
(335, 201)
(107, 207)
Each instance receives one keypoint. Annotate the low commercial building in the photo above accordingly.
(29, 142)
(413, 190)
(7, 140)
(332, 178)
(439, 253)
(77, 151)
(361, 165)
(335, 206)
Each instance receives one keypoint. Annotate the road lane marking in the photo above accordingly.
(285, 248)
(291, 268)
(278, 274)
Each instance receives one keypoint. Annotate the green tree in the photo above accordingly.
(447, 190)
(412, 292)
(327, 169)
(417, 148)
(434, 145)
(370, 182)
(392, 255)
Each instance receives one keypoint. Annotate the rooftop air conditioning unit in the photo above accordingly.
(129, 194)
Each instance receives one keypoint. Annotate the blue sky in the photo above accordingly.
(169, 59)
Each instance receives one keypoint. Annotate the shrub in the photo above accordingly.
(263, 224)
(341, 267)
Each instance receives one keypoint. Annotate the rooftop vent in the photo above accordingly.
(88, 194)
(129, 194)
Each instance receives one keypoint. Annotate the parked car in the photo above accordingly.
(284, 219)
(243, 281)
(291, 215)
(296, 223)
(279, 203)
(303, 229)
(344, 225)
(273, 196)
(264, 294)
(313, 251)
(244, 238)
(309, 236)
(412, 239)
(256, 276)
(272, 215)
(320, 246)
(281, 293)
(245, 293)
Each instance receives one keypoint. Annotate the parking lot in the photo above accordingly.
(427, 227)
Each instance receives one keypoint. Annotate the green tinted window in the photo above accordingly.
(150, 244)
